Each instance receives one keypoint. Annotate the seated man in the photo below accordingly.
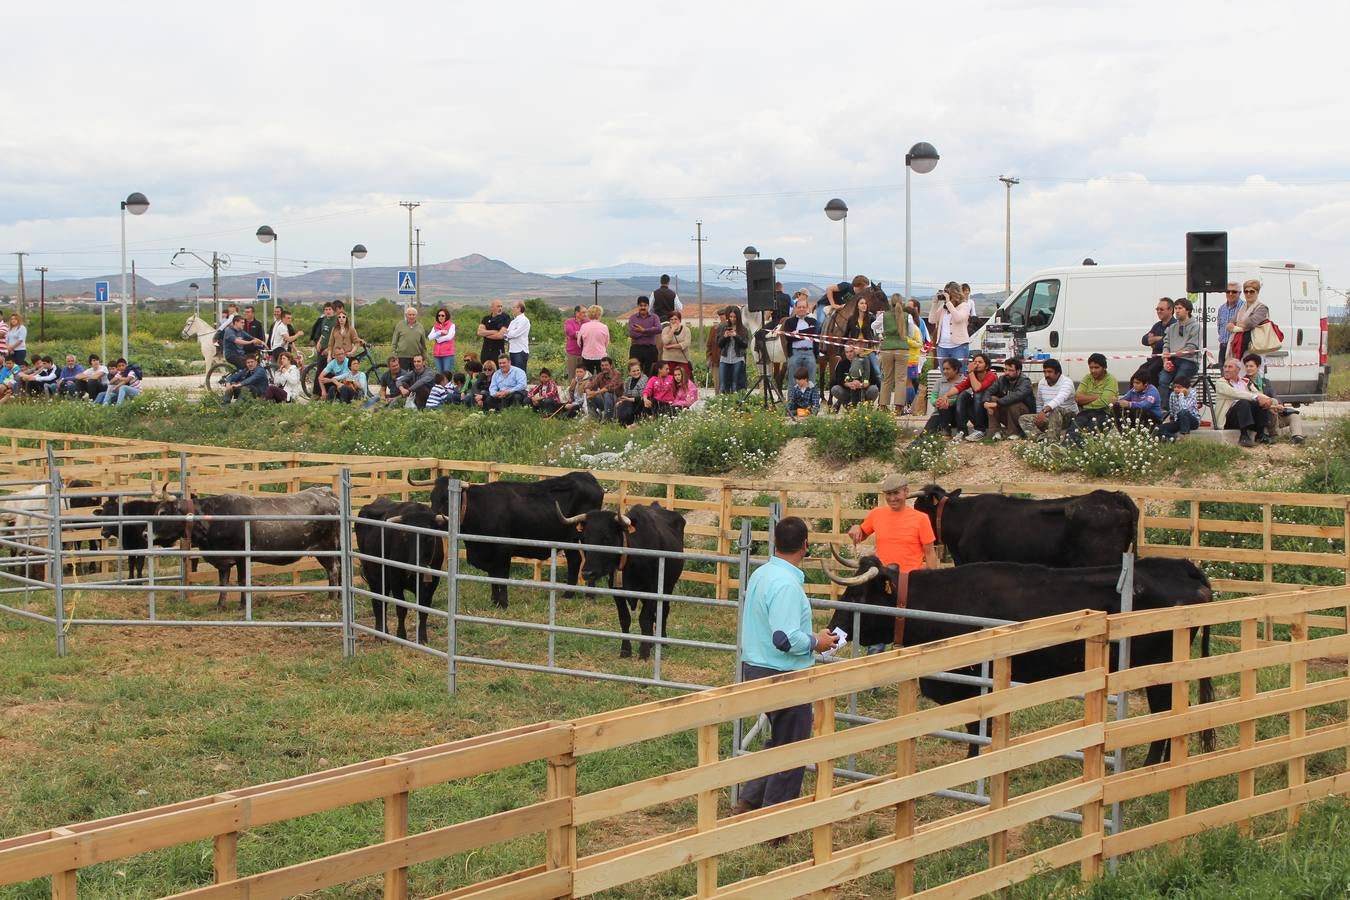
(388, 393)
(604, 386)
(575, 402)
(505, 388)
(66, 383)
(1278, 415)
(41, 379)
(968, 395)
(415, 385)
(1141, 404)
(353, 387)
(250, 381)
(333, 374)
(852, 382)
(123, 385)
(1183, 413)
(943, 419)
(1156, 336)
(1236, 406)
(544, 396)
(94, 379)
(238, 343)
(1096, 393)
(478, 382)
(803, 398)
(1009, 400)
(628, 404)
(1055, 405)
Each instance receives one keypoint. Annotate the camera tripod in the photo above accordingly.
(764, 381)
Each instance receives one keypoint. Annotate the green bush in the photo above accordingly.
(861, 431)
(1132, 453)
(931, 453)
(1338, 337)
(721, 437)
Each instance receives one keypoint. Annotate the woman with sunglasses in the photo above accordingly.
(344, 335)
(443, 341)
(1250, 315)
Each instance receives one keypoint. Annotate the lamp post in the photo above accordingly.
(837, 211)
(196, 299)
(358, 252)
(750, 253)
(1007, 232)
(267, 236)
(42, 305)
(921, 158)
(136, 204)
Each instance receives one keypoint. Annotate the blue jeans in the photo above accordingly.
(960, 354)
(520, 360)
(119, 395)
(970, 409)
(802, 359)
(1183, 424)
(446, 364)
(602, 407)
(1185, 368)
(732, 377)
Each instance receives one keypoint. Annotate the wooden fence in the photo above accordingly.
(1251, 542)
(1284, 741)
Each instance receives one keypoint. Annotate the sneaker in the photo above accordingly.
(1246, 440)
(1014, 437)
(958, 439)
(1297, 439)
(998, 435)
(1267, 439)
(975, 436)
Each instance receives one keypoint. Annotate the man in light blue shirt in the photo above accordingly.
(1226, 313)
(776, 637)
(507, 387)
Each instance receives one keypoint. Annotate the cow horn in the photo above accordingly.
(421, 482)
(851, 580)
(395, 520)
(570, 520)
(442, 520)
(626, 522)
(843, 561)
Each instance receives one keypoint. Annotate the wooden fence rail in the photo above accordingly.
(1293, 719)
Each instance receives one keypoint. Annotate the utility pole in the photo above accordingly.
(21, 295)
(699, 240)
(596, 285)
(215, 284)
(133, 284)
(417, 267)
(42, 304)
(1008, 181)
(410, 205)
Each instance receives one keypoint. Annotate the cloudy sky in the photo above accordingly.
(560, 136)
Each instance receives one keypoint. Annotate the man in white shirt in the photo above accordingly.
(282, 336)
(1055, 405)
(518, 337)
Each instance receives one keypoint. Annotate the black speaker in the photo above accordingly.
(759, 276)
(1206, 261)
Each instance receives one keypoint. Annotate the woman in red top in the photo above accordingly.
(686, 392)
(659, 393)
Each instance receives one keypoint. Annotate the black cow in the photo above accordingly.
(519, 509)
(295, 538)
(1012, 591)
(1064, 532)
(651, 527)
(132, 535)
(410, 548)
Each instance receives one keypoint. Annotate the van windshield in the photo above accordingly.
(1034, 307)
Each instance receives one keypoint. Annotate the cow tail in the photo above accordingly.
(1206, 690)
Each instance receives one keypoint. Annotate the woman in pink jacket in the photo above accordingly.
(949, 316)
(442, 336)
(659, 393)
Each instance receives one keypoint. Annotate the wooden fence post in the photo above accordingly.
(1180, 744)
(1298, 718)
(707, 808)
(906, 759)
(724, 542)
(395, 827)
(998, 740)
(1096, 655)
(64, 884)
(1246, 781)
(560, 842)
(822, 836)
(225, 852)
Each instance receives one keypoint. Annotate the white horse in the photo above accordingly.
(205, 334)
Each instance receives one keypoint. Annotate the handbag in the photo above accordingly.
(1265, 338)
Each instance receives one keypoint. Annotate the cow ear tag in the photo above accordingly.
(580, 529)
(632, 529)
(890, 588)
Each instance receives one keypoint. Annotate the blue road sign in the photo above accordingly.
(407, 282)
(264, 288)
(101, 291)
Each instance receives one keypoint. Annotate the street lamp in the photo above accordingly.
(921, 158)
(136, 204)
(750, 253)
(358, 252)
(837, 211)
(780, 264)
(267, 236)
(1007, 233)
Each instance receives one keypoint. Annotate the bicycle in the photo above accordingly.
(374, 368)
(216, 374)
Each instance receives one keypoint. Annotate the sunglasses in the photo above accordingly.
(1230, 292)
(1249, 290)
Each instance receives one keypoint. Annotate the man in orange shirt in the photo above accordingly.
(904, 536)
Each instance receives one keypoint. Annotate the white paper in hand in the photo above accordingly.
(842, 636)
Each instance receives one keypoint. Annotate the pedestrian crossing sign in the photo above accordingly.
(264, 288)
(407, 282)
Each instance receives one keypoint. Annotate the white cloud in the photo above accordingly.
(598, 132)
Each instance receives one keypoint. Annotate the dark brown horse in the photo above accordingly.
(838, 322)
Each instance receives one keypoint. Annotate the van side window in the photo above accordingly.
(1034, 307)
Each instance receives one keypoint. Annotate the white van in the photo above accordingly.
(1074, 311)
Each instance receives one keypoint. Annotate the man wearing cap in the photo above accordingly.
(777, 637)
(904, 536)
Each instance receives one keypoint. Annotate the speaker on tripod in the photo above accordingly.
(759, 277)
(1206, 270)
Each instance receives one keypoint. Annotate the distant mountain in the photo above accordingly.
(470, 279)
